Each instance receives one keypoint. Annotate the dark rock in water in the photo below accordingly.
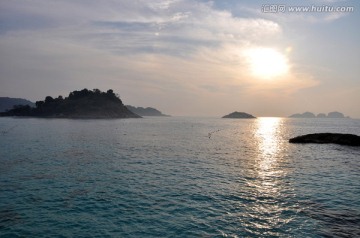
(239, 115)
(322, 138)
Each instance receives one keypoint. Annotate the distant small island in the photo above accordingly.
(239, 115)
(7, 103)
(79, 104)
(320, 115)
(148, 111)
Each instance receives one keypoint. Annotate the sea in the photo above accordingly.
(177, 177)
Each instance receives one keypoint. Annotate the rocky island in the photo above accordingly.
(322, 138)
(148, 111)
(240, 115)
(79, 104)
(320, 115)
(7, 103)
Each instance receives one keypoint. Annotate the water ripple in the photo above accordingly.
(166, 178)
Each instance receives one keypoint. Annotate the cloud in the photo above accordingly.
(158, 51)
(138, 22)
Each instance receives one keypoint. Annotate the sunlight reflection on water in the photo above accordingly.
(269, 145)
(267, 133)
(269, 175)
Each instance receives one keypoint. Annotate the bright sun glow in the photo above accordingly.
(266, 63)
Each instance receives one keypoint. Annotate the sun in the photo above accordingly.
(266, 63)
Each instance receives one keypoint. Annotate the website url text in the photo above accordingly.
(279, 8)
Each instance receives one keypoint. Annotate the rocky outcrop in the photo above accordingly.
(240, 115)
(323, 138)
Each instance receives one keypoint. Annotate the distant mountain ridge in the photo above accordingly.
(148, 111)
(7, 103)
(320, 115)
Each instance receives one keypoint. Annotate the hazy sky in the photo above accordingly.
(185, 57)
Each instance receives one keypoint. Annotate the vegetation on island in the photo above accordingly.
(241, 115)
(79, 104)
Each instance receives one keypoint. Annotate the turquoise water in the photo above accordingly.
(176, 177)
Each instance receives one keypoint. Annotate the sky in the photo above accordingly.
(186, 57)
